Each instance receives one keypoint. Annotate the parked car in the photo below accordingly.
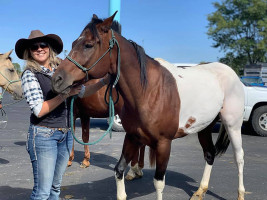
(117, 125)
(255, 113)
(252, 80)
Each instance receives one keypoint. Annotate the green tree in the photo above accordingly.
(17, 68)
(239, 28)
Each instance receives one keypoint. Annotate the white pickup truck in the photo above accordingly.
(255, 114)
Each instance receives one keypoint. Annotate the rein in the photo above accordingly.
(112, 42)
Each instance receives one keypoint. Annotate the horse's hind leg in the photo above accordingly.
(232, 117)
(205, 139)
(137, 164)
(130, 147)
(85, 122)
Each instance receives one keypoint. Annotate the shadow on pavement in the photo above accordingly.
(106, 188)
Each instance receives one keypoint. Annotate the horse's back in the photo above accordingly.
(202, 91)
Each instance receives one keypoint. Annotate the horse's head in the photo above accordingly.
(9, 79)
(89, 56)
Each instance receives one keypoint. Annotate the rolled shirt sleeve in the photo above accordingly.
(32, 92)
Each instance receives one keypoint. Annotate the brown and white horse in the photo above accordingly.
(161, 102)
(9, 79)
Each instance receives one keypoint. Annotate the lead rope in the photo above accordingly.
(111, 119)
(112, 42)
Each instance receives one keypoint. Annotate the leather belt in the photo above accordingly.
(63, 130)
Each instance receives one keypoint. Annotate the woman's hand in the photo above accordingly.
(73, 91)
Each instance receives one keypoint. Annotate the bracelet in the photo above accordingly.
(102, 81)
(81, 93)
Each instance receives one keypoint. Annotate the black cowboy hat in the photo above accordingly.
(37, 36)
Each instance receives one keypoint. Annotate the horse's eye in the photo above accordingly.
(11, 70)
(88, 46)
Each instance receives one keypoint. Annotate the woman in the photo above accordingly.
(49, 140)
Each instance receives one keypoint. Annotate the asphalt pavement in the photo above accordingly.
(97, 182)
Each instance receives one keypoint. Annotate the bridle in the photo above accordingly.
(112, 42)
(9, 83)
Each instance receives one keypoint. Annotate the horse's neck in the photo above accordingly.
(129, 82)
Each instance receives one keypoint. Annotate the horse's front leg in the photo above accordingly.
(85, 122)
(137, 164)
(130, 147)
(162, 158)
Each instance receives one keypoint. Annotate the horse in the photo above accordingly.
(161, 102)
(9, 79)
(91, 106)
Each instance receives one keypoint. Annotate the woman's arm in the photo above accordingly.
(51, 104)
(91, 89)
(34, 95)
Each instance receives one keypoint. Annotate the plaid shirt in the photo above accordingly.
(32, 90)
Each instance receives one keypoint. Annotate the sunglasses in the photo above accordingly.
(36, 46)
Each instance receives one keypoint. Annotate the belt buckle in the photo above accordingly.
(63, 130)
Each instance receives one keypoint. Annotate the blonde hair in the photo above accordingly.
(32, 65)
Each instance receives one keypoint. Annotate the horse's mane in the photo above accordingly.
(116, 26)
(141, 55)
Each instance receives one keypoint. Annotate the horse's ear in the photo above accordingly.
(106, 24)
(95, 16)
(7, 55)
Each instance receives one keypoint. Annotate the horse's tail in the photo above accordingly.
(222, 142)
(152, 157)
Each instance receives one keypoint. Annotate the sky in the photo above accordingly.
(175, 30)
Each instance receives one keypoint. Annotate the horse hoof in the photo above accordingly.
(84, 165)
(129, 177)
(240, 198)
(69, 163)
(196, 197)
(121, 198)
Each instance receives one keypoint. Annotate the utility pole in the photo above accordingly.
(115, 5)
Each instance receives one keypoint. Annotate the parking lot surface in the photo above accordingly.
(97, 182)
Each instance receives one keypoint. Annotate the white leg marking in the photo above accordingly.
(159, 186)
(206, 176)
(236, 140)
(121, 194)
(204, 184)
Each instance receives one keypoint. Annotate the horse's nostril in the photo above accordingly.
(56, 83)
(58, 80)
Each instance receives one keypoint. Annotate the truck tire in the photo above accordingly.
(117, 125)
(259, 121)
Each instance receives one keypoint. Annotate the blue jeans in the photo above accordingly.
(49, 152)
